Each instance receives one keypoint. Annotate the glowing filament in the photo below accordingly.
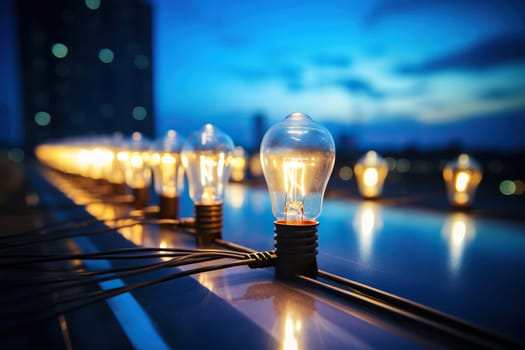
(294, 186)
(462, 181)
(370, 177)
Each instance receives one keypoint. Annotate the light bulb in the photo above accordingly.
(297, 158)
(168, 172)
(207, 157)
(134, 158)
(116, 170)
(238, 164)
(462, 177)
(371, 171)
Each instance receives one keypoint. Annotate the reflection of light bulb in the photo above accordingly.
(458, 230)
(371, 171)
(367, 222)
(168, 172)
(297, 157)
(462, 177)
(134, 158)
(207, 156)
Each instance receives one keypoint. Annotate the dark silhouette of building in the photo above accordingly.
(85, 68)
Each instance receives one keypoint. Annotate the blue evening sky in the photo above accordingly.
(388, 73)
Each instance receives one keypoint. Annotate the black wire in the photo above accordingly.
(109, 293)
(178, 261)
(109, 255)
(69, 225)
(401, 309)
(88, 233)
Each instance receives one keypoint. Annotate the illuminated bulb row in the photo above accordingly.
(207, 156)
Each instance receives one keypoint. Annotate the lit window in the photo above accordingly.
(139, 113)
(59, 50)
(92, 4)
(106, 55)
(42, 118)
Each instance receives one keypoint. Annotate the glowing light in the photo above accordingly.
(458, 230)
(42, 118)
(507, 187)
(367, 223)
(238, 164)
(462, 177)
(139, 113)
(345, 173)
(371, 171)
(106, 55)
(59, 50)
(297, 157)
(370, 177)
(92, 4)
(207, 157)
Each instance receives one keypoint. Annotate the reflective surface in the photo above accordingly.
(455, 262)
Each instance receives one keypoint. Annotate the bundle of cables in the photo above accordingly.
(33, 274)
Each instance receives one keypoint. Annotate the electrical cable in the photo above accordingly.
(104, 230)
(69, 225)
(404, 310)
(176, 261)
(109, 255)
(94, 297)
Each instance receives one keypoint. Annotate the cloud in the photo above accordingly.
(510, 9)
(334, 61)
(291, 75)
(492, 52)
(360, 86)
(502, 93)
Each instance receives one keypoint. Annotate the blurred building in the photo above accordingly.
(85, 68)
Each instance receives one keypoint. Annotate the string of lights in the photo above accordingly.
(297, 158)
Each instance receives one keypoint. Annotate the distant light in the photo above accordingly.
(16, 155)
(141, 62)
(139, 113)
(391, 163)
(42, 118)
(403, 165)
(345, 173)
(106, 55)
(507, 187)
(92, 4)
(59, 50)
(520, 187)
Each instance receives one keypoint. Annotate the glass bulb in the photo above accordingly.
(371, 171)
(462, 177)
(165, 161)
(207, 156)
(297, 158)
(135, 159)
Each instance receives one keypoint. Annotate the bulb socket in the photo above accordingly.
(168, 207)
(208, 223)
(296, 250)
(140, 197)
